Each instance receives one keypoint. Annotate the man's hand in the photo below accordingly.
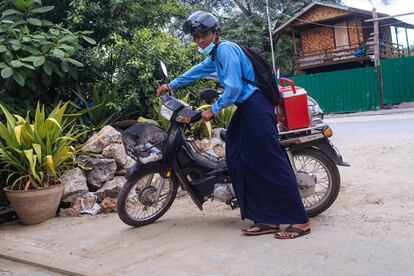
(163, 88)
(207, 115)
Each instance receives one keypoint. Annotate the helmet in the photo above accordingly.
(199, 22)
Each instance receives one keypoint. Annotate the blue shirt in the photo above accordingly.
(231, 64)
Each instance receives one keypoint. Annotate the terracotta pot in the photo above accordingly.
(35, 206)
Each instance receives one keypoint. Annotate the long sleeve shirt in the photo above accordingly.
(231, 64)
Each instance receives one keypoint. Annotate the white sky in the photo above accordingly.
(396, 7)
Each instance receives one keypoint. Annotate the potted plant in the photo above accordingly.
(33, 154)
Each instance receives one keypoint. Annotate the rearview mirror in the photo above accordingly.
(164, 70)
(208, 95)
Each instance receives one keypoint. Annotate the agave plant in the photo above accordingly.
(34, 153)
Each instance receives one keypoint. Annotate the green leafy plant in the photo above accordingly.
(35, 53)
(223, 118)
(34, 153)
(98, 110)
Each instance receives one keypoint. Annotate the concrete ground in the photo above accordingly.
(369, 230)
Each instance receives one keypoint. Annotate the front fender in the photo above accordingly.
(325, 146)
(133, 171)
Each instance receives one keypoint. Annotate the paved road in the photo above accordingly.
(369, 230)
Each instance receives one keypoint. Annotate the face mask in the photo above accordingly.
(206, 51)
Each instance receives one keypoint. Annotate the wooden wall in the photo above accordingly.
(320, 39)
(317, 40)
(355, 35)
(320, 13)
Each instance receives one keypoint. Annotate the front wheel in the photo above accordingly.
(145, 198)
(318, 180)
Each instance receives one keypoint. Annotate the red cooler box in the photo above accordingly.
(293, 110)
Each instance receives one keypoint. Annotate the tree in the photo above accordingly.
(36, 55)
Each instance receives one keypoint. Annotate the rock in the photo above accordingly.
(110, 188)
(68, 212)
(102, 170)
(75, 183)
(214, 146)
(108, 135)
(215, 133)
(130, 163)
(181, 193)
(83, 202)
(117, 152)
(108, 205)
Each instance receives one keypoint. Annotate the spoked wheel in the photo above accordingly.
(318, 180)
(147, 197)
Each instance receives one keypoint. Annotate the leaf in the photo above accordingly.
(7, 72)
(50, 165)
(55, 122)
(10, 12)
(37, 61)
(43, 9)
(7, 21)
(75, 62)
(58, 53)
(65, 66)
(19, 78)
(18, 133)
(31, 50)
(28, 66)
(47, 23)
(34, 21)
(47, 68)
(16, 63)
(68, 38)
(89, 40)
(3, 48)
(145, 120)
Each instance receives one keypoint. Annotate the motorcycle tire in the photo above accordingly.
(333, 178)
(142, 197)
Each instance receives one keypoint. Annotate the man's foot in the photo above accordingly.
(260, 229)
(294, 231)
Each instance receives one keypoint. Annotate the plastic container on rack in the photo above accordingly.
(293, 110)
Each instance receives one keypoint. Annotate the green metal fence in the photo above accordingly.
(398, 80)
(358, 90)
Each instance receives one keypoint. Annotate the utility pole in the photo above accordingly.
(377, 57)
(271, 37)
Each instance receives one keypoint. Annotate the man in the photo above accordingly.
(264, 183)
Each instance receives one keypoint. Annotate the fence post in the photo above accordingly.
(377, 57)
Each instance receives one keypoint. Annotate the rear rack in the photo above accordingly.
(318, 126)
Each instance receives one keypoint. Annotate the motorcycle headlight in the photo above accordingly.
(166, 113)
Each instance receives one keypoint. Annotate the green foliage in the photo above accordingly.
(34, 152)
(223, 118)
(35, 54)
(98, 110)
(136, 72)
(121, 17)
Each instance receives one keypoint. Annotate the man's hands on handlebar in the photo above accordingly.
(205, 115)
(163, 88)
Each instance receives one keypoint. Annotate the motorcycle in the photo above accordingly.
(177, 160)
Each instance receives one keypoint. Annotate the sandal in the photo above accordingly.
(291, 229)
(263, 229)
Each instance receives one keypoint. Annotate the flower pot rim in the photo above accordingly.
(7, 189)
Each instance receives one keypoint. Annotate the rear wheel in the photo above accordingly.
(318, 180)
(146, 197)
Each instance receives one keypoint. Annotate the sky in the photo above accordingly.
(394, 8)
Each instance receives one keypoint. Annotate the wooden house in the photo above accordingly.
(328, 37)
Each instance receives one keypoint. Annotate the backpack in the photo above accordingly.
(265, 80)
